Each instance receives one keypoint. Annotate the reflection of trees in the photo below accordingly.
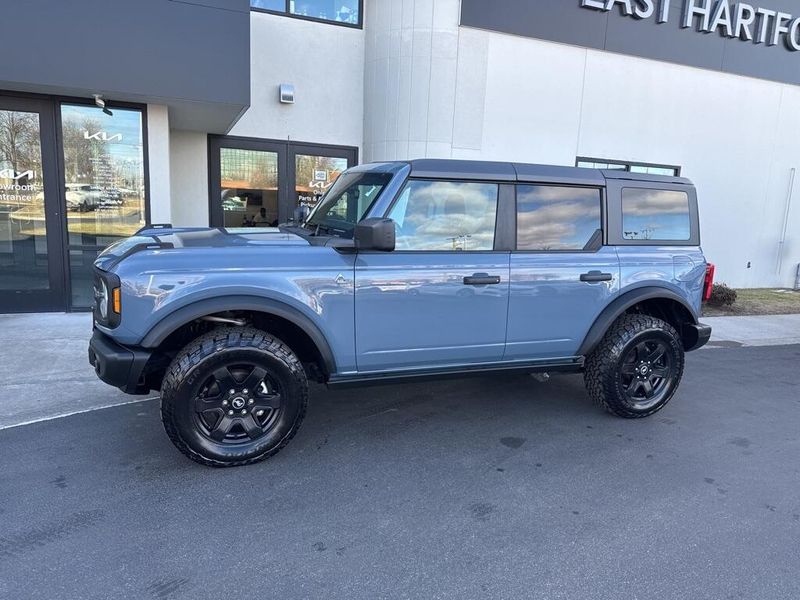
(19, 141)
(80, 152)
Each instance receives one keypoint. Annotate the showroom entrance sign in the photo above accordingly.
(738, 20)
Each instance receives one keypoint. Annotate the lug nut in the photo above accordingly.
(251, 401)
(230, 412)
(244, 412)
(244, 391)
(232, 392)
(224, 403)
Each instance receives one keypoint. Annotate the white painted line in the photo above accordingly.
(77, 412)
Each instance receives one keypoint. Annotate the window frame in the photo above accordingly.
(285, 13)
(614, 204)
(628, 165)
(603, 220)
(505, 204)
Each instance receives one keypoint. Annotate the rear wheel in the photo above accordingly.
(233, 396)
(637, 366)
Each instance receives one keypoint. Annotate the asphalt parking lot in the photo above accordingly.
(492, 487)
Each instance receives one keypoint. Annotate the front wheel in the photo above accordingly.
(233, 396)
(636, 368)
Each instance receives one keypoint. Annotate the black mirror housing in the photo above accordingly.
(375, 234)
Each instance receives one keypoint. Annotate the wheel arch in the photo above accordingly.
(653, 300)
(268, 307)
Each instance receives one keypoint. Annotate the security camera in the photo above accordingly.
(98, 100)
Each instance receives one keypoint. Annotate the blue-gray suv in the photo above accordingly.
(405, 270)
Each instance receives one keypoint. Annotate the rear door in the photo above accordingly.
(562, 276)
(441, 298)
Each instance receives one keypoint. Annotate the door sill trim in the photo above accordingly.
(571, 364)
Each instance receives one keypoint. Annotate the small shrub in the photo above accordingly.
(722, 295)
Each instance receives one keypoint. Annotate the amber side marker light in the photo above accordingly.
(116, 300)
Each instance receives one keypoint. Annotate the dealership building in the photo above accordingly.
(232, 113)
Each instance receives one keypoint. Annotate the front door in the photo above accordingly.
(440, 299)
(31, 253)
(259, 183)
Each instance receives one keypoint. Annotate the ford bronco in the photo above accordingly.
(403, 270)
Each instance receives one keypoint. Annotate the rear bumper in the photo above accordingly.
(695, 336)
(118, 365)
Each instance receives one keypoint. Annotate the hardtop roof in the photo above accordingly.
(480, 170)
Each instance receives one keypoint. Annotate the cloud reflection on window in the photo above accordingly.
(655, 215)
(556, 218)
(445, 215)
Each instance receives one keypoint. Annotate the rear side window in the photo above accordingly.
(655, 215)
(445, 215)
(556, 218)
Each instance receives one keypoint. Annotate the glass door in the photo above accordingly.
(31, 256)
(259, 183)
(104, 185)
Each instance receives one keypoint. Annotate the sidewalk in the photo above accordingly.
(45, 370)
(45, 373)
(766, 330)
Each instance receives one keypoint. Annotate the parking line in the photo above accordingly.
(77, 412)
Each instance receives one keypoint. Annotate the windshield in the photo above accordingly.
(347, 202)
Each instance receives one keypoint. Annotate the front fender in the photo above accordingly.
(189, 312)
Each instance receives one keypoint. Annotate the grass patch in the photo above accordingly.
(764, 301)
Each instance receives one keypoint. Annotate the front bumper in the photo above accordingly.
(118, 365)
(695, 336)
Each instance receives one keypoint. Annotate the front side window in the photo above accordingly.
(346, 202)
(445, 215)
(655, 215)
(556, 218)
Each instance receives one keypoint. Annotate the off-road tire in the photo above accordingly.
(198, 360)
(603, 368)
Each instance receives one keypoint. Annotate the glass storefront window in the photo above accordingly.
(249, 182)
(23, 233)
(103, 173)
(345, 12)
(314, 175)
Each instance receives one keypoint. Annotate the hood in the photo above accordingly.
(196, 237)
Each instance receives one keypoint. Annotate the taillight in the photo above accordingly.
(708, 283)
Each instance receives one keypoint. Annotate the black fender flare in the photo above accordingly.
(188, 313)
(622, 303)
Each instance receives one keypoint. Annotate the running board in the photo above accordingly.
(572, 364)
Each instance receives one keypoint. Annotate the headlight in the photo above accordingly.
(107, 298)
(102, 300)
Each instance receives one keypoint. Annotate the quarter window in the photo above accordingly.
(445, 215)
(556, 218)
(655, 215)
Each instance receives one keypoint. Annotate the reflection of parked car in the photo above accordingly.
(234, 204)
(231, 325)
(83, 197)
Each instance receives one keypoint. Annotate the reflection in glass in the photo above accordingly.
(81, 272)
(314, 175)
(103, 173)
(249, 180)
(556, 218)
(23, 234)
(340, 11)
(443, 215)
(276, 5)
(655, 215)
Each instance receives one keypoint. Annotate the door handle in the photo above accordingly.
(596, 277)
(482, 279)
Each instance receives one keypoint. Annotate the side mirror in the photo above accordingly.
(375, 234)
